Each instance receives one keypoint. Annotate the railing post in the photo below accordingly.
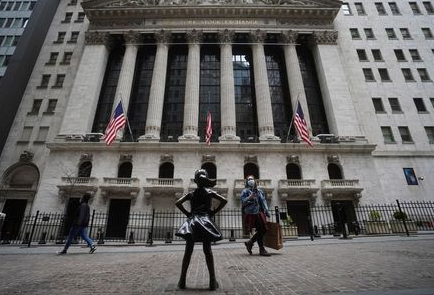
(403, 219)
(42, 240)
(33, 229)
(131, 240)
(150, 233)
(232, 238)
(100, 237)
(276, 210)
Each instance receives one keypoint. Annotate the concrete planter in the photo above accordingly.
(376, 227)
(397, 226)
(289, 232)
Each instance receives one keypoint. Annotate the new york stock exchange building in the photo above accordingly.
(246, 62)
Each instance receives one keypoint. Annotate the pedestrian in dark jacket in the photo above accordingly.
(79, 226)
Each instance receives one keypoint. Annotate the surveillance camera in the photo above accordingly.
(421, 178)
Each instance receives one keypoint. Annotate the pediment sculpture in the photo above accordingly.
(297, 3)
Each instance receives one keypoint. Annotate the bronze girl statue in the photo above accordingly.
(199, 226)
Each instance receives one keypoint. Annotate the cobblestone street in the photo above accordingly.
(381, 265)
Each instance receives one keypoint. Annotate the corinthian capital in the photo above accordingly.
(226, 36)
(98, 38)
(289, 37)
(133, 38)
(194, 36)
(163, 36)
(325, 37)
(258, 36)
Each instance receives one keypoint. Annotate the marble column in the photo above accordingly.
(295, 79)
(126, 76)
(83, 101)
(262, 88)
(156, 96)
(338, 103)
(227, 88)
(191, 99)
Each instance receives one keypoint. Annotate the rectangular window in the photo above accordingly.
(67, 58)
(391, 33)
(405, 33)
(414, 7)
(35, 107)
(408, 76)
(423, 74)
(430, 133)
(17, 23)
(359, 8)
(387, 134)
(59, 81)
(9, 6)
(42, 134)
(399, 55)
(44, 81)
(361, 53)
(405, 134)
(2, 59)
(80, 17)
(432, 101)
(51, 107)
(420, 105)
(410, 176)
(68, 17)
(53, 58)
(376, 53)
(380, 8)
(354, 33)
(369, 33)
(2, 5)
(427, 33)
(9, 22)
(6, 60)
(429, 7)
(2, 21)
(369, 75)
(16, 40)
(414, 55)
(394, 105)
(27, 132)
(384, 74)
(394, 8)
(2, 38)
(60, 37)
(378, 105)
(346, 9)
(25, 6)
(17, 5)
(74, 37)
(32, 5)
(8, 41)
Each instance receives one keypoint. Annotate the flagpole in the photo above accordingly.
(126, 117)
(292, 120)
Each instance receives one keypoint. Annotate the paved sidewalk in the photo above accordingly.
(368, 266)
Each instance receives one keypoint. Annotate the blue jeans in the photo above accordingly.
(78, 230)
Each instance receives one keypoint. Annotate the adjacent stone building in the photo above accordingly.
(361, 72)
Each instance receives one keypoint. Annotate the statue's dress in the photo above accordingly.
(199, 226)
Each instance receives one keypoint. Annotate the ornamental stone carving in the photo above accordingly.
(194, 36)
(251, 159)
(293, 159)
(258, 36)
(166, 158)
(163, 36)
(325, 37)
(125, 157)
(333, 159)
(133, 38)
(208, 158)
(289, 37)
(86, 158)
(26, 156)
(226, 36)
(213, 2)
(98, 38)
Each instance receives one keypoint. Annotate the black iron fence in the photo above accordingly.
(146, 227)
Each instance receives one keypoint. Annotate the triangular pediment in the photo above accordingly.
(107, 4)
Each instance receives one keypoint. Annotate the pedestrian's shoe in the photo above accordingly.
(92, 249)
(181, 284)
(61, 252)
(249, 246)
(213, 284)
(264, 252)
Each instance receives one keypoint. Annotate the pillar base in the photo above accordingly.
(149, 138)
(229, 138)
(188, 138)
(269, 138)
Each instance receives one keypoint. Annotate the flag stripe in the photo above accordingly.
(301, 126)
(208, 129)
(116, 123)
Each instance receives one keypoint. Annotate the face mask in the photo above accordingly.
(251, 183)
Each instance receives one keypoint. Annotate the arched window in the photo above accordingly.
(85, 169)
(125, 170)
(334, 171)
(24, 176)
(211, 169)
(166, 170)
(251, 169)
(293, 171)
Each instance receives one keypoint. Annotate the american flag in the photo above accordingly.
(208, 129)
(301, 126)
(116, 123)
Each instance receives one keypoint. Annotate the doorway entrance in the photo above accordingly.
(14, 210)
(119, 214)
(344, 212)
(299, 212)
